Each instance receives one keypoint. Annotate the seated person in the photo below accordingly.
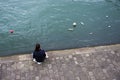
(39, 55)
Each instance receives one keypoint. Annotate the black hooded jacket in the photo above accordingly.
(39, 55)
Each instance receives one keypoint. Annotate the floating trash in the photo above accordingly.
(106, 16)
(90, 33)
(11, 31)
(109, 26)
(74, 24)
(82, 23)
(70, 29)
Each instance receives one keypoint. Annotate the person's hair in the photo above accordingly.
(37, 47)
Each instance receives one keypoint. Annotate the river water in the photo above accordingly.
(49, 22)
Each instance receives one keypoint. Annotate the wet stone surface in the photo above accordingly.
(101, 63)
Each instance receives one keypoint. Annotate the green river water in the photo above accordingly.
(49, 22)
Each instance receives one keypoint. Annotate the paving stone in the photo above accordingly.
(87, 55)
(112, 52)
(76, 62)
(0, 71)
(51, 74)
(117, 65)
(83, 76)
(10, 70)
(67, 59)
(57, 57)
(91, 76)
(61, 57)
(77, 52)
(103, 59)
(49, 66)
(70, 56)
(108, 60)
(77, 78)
(111, 72)
(31, 68)
(46, 78)
(105, 71)
(118, 54)
(62, 78)
(74, 58)
(4, 71)
(23, 78)
(37, 78)
(17, 76)
(99, 75)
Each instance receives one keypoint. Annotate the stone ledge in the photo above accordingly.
(92, 63)
(86, 50)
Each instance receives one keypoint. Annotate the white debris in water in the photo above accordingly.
(106, 16)
(70, 29)
(90, 33)
(82, 23)
(74, 24)
(109, 26)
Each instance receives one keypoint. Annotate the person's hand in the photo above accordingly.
(46, 55)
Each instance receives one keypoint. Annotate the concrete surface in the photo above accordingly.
(92, 63)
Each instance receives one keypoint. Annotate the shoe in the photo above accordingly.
(34, 60)
(38, 62)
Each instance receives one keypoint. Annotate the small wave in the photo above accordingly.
(90, 0)
(86, 40)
